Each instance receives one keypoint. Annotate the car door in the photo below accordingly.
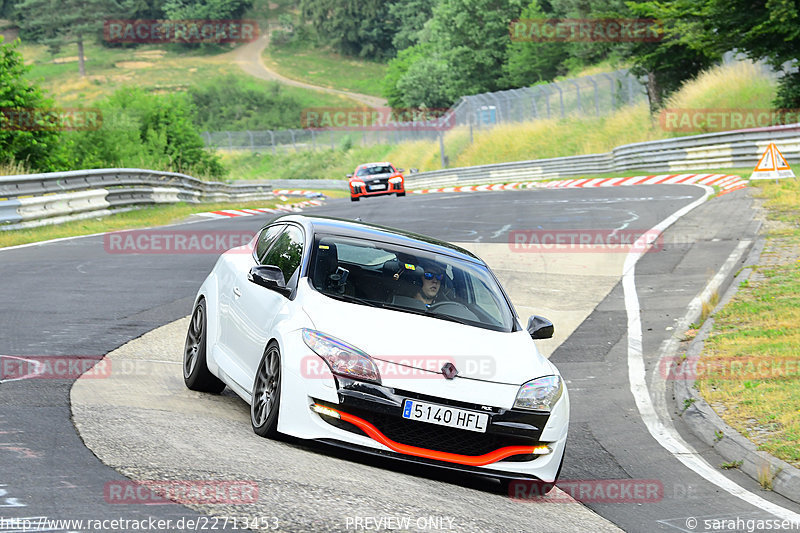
(256, 308)
(230, 289)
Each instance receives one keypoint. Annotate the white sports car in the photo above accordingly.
(383, 341)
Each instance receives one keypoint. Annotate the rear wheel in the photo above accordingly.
(196, 375)
(267, 393)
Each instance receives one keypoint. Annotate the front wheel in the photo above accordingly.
(267, 394)
(401, 194)
(354, 198)
(196, 374)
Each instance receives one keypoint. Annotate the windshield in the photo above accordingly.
(377, 169)
(409, 280)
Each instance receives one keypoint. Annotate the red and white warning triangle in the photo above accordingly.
(772, 165)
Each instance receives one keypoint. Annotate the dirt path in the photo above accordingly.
(248, 57)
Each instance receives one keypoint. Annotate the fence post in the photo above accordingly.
(294, 145)
(272, 140)
(441, 150)
(596, 102)
(313, 141)
(560, 97)
(230, 141)
(577, 95)
(252, 144)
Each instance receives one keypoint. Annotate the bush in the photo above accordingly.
(146, 130)
(39, 149)
(231, 104)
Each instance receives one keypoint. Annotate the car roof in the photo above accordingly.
(375, 232)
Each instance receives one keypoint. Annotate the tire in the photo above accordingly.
(266, 401)
(401, 194)
(354, 199)
(196, 375)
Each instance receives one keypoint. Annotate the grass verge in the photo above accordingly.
(326, 68)
(140, 218)
(755, 341)
(166, 68)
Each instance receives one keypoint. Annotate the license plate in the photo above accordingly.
(377, 187)
(445, 416)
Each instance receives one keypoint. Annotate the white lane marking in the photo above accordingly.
(662, 430)
(501, 231)
(625, 223)
(6, 501)
(38, 369)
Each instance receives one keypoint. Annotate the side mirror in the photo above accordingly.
(348, 176)
(270, 277)
(540, 328)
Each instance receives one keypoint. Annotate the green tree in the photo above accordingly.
(762, 29)
(38, 147)
(530, 62)
(411, 16)
(361, 28)
(57, 23)
(150, 130)
(229, 104)
(206, 9)
(472, 37)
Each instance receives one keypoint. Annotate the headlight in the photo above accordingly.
(357, 183)
(342, 358)
(540, 394)
(396, 179)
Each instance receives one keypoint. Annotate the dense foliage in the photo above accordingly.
(231, 104)
(35, 147)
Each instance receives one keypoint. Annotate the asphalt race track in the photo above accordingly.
(75, 298)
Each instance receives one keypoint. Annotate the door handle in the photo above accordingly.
(237, 291)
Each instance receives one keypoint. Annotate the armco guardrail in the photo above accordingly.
(37, 199)
(730, 149)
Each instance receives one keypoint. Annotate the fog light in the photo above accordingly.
(542, 449)
(322, 410)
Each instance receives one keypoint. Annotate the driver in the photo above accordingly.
(432, 279)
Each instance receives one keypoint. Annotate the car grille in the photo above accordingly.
(435, 437)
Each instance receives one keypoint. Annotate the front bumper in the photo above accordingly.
(375, 188)
(510, 447)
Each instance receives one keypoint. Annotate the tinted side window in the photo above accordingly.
(286, 253)
(266, 238)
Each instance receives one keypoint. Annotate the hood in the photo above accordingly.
(409, 345)
(374, 176)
